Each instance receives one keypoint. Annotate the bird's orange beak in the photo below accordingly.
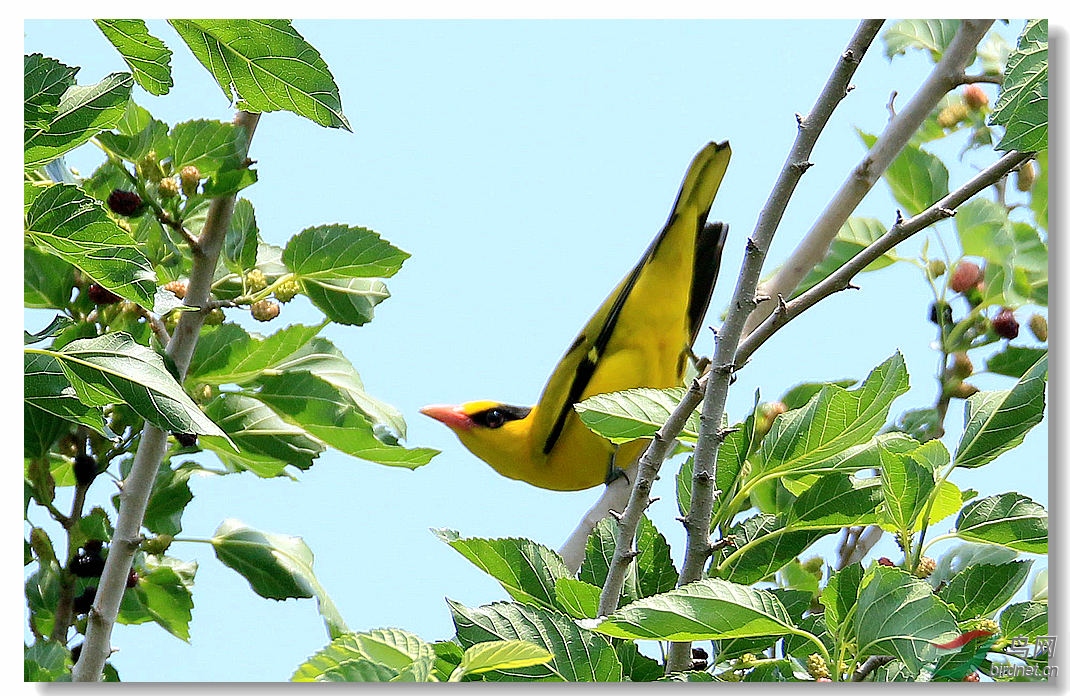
(453, 417)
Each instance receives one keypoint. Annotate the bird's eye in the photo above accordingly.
(494, 418)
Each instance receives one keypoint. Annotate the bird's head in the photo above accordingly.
(495, 432)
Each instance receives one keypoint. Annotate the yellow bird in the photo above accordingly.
(641, 336)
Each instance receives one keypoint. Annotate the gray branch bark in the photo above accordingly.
(946, 75)
(138, 485)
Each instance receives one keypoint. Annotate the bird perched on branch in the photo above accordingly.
(640, 336)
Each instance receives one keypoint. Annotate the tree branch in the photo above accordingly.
(869, 665)
(138, 484)
(946, 75)
(900, 231)
(744, 301)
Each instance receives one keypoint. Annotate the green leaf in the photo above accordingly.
(330, 414)
(210, 146)
(634, 413)
(764, 546)
(229, 355)
(113, 368)
(48, 392)
(899, 615)
(598, 556)
(839, 599)
(350, 302)
(381, 655)
(265, 65)
(906, 483)
(501, 655)
(916, 177)
(997, 421)
(1017, 257)
(239, 245)
(341, 252)
(162, 595)
(919, 423)
(711, 609)
(981, 590)
(170, 496)
(266, 443)
(797, 396)
(637, 667)
(577, 598)
(528, 571)
(147, 57)
(835, 501)
(1028, 619)
(58, 325)
(47, 280)
(579, 654)
(276, 566)
(855, 235)
(656, 572)
(810, 437)
(932, 35)
(1014, 361)
(66, 223)
(1022, 107)
(136, 134)
(83, 111)
(44, 82)
(1009, 519)
(46, 661)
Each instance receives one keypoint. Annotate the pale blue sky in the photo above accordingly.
(525, 165)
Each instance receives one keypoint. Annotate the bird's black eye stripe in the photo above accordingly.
(498, 416)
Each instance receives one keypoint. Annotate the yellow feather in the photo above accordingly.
(639, 337)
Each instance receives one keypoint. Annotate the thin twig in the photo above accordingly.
(945, 76)
(726, 358)
(869, 665)
(138, 484)
(840, 279)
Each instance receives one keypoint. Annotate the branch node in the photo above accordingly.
(618, 516)
(651, 501)
(849, 56)
(803, 166)
(799, 120)
(945, 212)
(752, 246)
(851, 286)
(848, 89)
(760, 298)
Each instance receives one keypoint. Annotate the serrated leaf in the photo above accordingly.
(170, 496)
(917, 178)
(1014, 361)
(634, 413)
(55, 327)
(266, 443)
(381, 655)
(349, 302)
(341, 252)
(83, 111)
(906, 483)
(577, 598)
(836, 420)
(998, 421)
(1009, 519)
(980, 590)
(146, 56)
(229, 355)
(239, 245)
(265, 65)
(899, 615)
(579, 654)
(66, 223)
(763, 546)
(711, 609)
(46, 661)
(656, 572)
(932, 35)
(501, 655)
(44, 82)
(835, 501)
(797, 396)
(1022, 107)
(598, 556)
(276, 566)
(1038, 195)
(328, 413)
(47, 280)
(528, 571)
(855, 235)
(210, 146)
(839, 599)
(162, 595)
(1028, 619)
(113, 368)
(136, 134)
